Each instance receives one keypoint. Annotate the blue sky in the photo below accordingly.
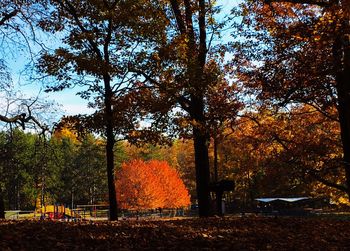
(70, 103)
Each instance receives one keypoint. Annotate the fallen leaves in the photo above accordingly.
(234, 233)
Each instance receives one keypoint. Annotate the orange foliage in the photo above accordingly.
(153, 184)
(284, 153)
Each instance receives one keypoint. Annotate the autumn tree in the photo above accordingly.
(283, 154)
(149, 185)
(297, 52)
(180, 71)
(176, 193)
(223, 108)
(179, 155)
(99, 38)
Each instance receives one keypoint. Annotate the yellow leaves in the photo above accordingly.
(66, 133)
(344, 201)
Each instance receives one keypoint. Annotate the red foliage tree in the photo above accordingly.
(153, 184)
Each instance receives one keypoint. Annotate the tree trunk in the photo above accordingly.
(346, 100)
(216, 175)
(219, 202)
(201, 141)
(344, 120)
(113, 211)
(2, 205)
(202, 172)
(196, 59)
(342, 61)
(72, 199)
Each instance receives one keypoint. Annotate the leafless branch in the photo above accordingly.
(8, 16)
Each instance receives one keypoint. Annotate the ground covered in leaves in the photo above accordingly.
(233, 233)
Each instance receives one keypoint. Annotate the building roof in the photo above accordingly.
(266, 200)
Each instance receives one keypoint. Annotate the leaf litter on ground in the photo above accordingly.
(227, 233)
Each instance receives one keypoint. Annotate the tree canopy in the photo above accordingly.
(292, 53)
(150, 185)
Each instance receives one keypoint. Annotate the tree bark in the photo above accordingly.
(341, 56)
(201, 141)
(113, 211)
(200, 134)
(343, 89)
(216, 175)
(7, 16)
(2, 205)
(344, 95)
(344, 119)
(202, 172)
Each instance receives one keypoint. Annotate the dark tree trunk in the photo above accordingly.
(342, 62)
(2, 206)
(113, 211)
(346, 101)
(201, 141)
(200, 135)
(202, 172)
(216, 175)
(219, 202)
(344, 120)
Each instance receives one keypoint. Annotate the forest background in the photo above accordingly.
(266, 107)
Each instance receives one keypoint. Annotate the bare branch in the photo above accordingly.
(16, 119)
(8, 16)
(202, 34)
(178, 16)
